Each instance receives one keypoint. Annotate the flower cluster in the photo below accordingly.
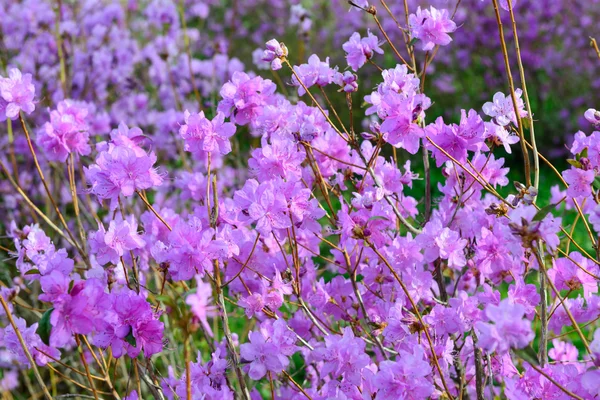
(341, 240)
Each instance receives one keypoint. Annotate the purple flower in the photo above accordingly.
(123, 170)
(567, 275)
(9, 340)
(274, 53)
(347, 80)
(121, 237)
(399, 121)
(252, 304)
(451, 248)
(202, 135)
(500, 136)
(431, 27)
(200, 304)
(563, 351)
(17, 92)
(263, 204)
(410, 373)
(508, 329)
(502, 109)
(190, 249)
(244, 97)
(359, 50)
(593, 117)
(580, 182)
(315, 72)
(130, 326)
(67, 131)
(267, 351)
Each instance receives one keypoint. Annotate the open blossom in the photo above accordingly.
(268, 350)
(359, 50)
(347, 80)
(201, 134)
(508, 329)
(567, 275)
(190, 249)
(431, 26)
(35, 346)
(409, 373)
(451, 248)
(502, 110)
(16, 94)
(264, 204)
(580, 182)
(400, 116)
(200, 304)
(500, 136)
(67, 132)
(121, 237)
(282, 158)
(315, 72)
(122, 169)
(130, 326)
(244, 97)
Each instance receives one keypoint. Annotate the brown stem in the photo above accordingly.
(87, 368)
(38, 377)
(479, 387)
(564, 304)
(154, 211)
(49, 193)
(419, 317)
(511, 86)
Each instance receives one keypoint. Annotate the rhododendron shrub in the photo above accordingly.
(179, 226)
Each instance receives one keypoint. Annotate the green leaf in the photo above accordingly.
(541, 214)
(131, 339)
(44, 327)
(597, 182)
(378, 217)
(413, 41)
(574, 163)
(163, 298)
(526, 123)
(527, 354)
(33, 272)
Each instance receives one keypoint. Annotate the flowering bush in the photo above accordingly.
(178, 226)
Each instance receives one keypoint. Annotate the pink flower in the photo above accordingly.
(17, 91)
(580, 182)
(201, 134)
(122, 170)
(509, 329)
(315, 72)
(451, 248)
(360, 50)
(268, 350)
(593, 117)
(121, 237)
(67, 131)
(566, 275)
(200, 304)
(563, 351)
(502, 109)
(274, 53)
(431, 27)
(399, 121)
